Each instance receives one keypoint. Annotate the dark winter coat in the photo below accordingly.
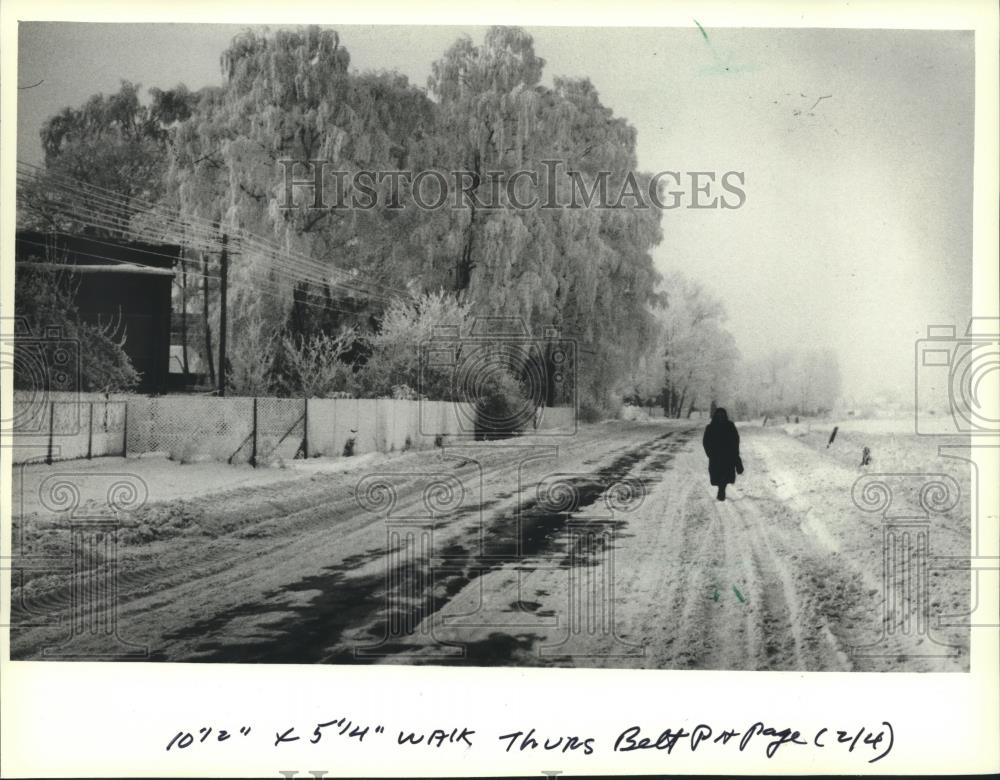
(722, 445)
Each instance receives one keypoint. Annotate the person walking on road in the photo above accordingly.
(722, 445)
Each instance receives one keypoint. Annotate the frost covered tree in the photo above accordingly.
(114, 143)
(398, 364)
(287, 99)
(221, 156)
(585, 271)
(701, 357)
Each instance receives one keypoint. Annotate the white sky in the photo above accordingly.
(856, 233)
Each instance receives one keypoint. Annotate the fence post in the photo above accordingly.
(52, 412)
(253, 445)
(90, 432)
(305, 428)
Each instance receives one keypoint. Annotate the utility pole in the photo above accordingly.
(208, 327)
(184, 319)
(224, 285)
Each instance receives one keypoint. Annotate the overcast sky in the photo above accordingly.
(856, 232)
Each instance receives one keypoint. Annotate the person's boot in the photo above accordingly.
(721, 496)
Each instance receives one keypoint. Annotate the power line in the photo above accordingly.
(111, 211)
(267, 287)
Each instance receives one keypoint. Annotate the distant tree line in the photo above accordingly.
(790, 382)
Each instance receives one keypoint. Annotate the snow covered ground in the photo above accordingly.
(610, 550)
(167, 479)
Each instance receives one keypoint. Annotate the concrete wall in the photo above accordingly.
(630, 412)
(557, 418)
(64, 426)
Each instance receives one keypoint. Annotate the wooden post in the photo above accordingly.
(208, 327)
(52, 412)
(90, 433)
(184, 320)
(305, 428)
(224, 285)
(253, 444)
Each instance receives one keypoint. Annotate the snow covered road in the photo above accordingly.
(605, 549)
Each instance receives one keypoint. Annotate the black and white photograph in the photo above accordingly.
(498, 345)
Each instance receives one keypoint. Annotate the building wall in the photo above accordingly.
(139, 302)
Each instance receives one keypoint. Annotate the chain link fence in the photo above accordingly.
(189, 428)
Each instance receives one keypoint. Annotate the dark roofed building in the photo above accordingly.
(115, 282)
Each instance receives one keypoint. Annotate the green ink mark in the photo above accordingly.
(739, 595)
(715, 596)
(720, 67)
